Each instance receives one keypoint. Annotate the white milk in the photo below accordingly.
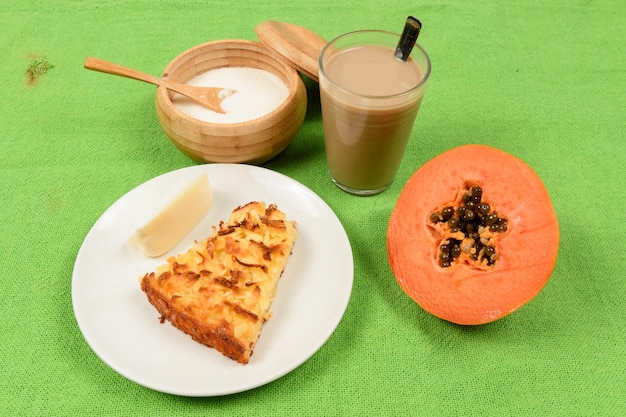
(258, 92)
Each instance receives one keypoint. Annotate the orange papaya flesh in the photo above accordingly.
(501, 261)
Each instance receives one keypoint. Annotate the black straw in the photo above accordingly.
(408, 38)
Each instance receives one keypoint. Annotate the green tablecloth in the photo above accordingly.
(543, 80)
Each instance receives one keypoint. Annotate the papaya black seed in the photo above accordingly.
(447, 213)
(483, 208)
(468, 216)
(490, 219)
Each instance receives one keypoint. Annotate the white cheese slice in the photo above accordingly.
(176, 220)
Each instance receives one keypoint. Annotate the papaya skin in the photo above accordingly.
(527, 250)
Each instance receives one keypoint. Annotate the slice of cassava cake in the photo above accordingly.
(219, 292)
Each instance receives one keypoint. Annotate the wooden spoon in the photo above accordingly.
(209, 97)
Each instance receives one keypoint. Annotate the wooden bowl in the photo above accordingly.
(253, 141)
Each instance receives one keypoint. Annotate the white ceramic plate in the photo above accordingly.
(123, 329)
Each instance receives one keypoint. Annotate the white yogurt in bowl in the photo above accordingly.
(262, 118)
(257, 93)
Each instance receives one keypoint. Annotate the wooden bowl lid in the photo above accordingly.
(298, 45)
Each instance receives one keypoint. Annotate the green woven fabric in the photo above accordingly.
(543, 80)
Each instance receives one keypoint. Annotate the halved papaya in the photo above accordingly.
(473, 235)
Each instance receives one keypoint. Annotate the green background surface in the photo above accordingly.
(543, 80)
